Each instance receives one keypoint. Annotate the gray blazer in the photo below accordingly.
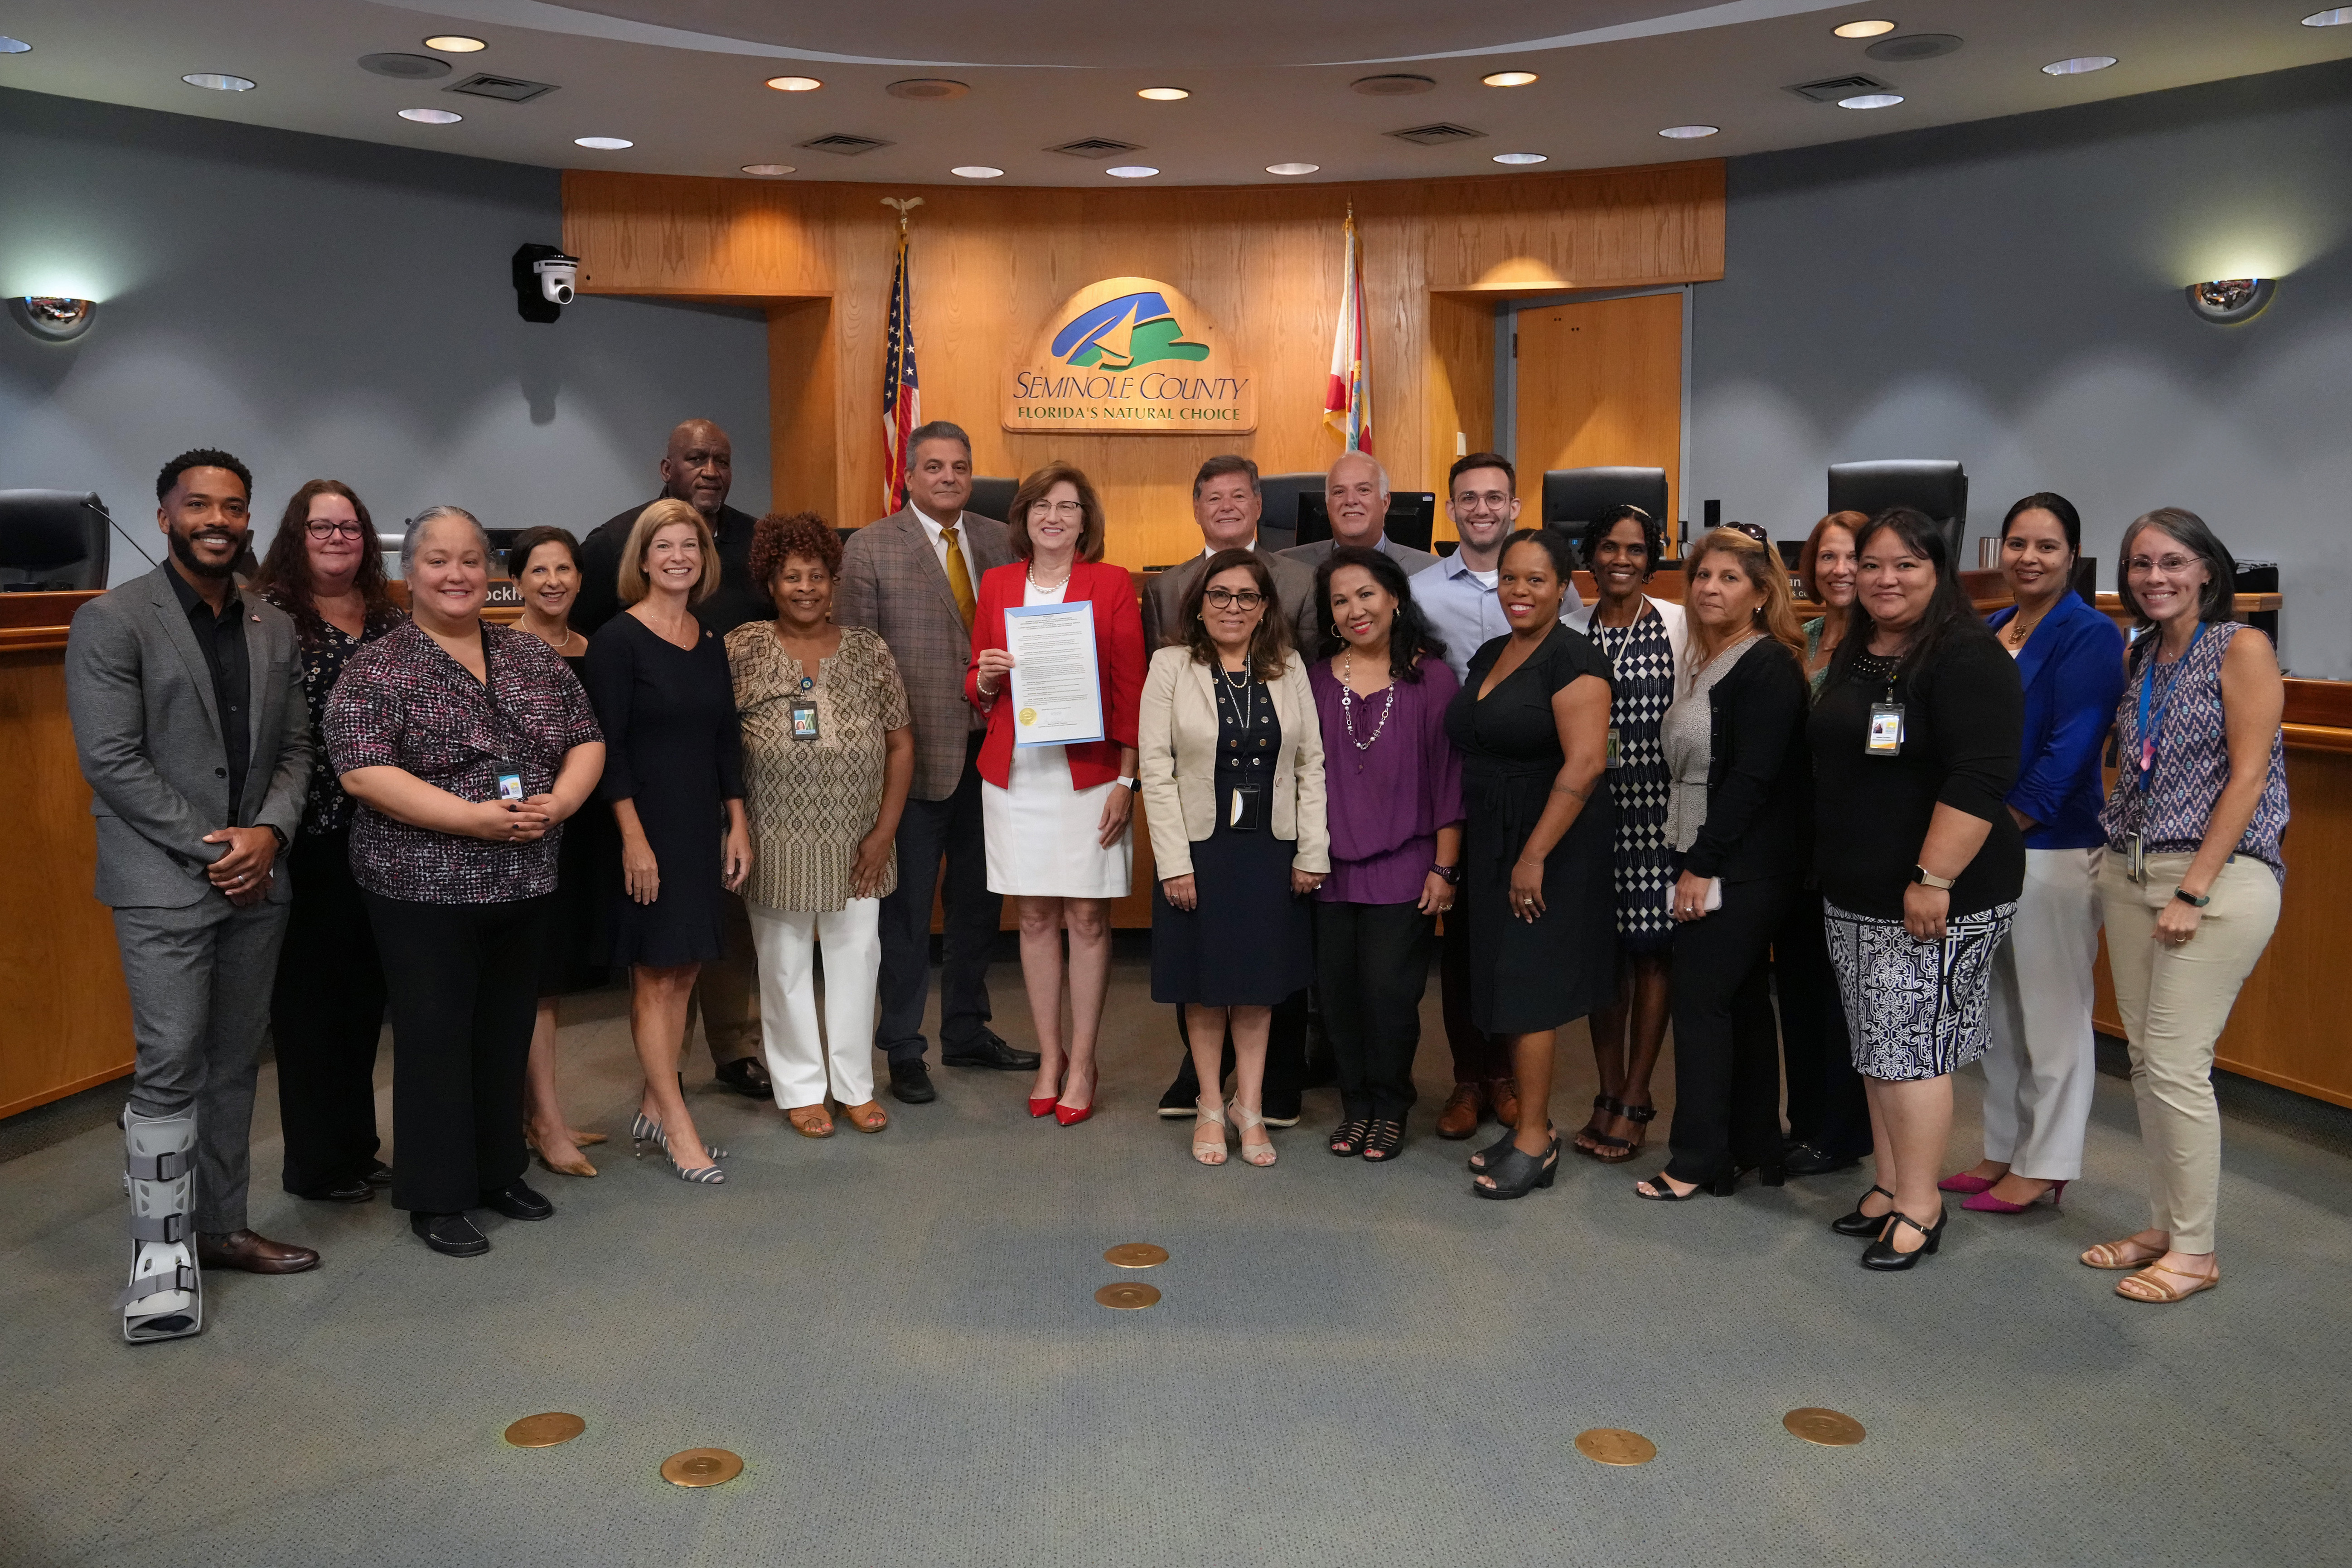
(892, 583)
(1163, 600)
(148, 734)
(1404, 555)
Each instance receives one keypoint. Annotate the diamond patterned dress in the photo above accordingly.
(1642, 861)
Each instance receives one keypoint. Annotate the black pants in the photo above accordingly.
(464, 987)
(1477, 1057)
(930, 831)
(1827, 1108)
(326, 1012)
(1726, 1070)
(1371, 965)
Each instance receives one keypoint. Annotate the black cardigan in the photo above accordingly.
(1759, 775)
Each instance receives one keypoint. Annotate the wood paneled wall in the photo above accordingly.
(1264, 263)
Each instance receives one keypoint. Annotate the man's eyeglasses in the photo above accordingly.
(327, 528)
(1232, 598)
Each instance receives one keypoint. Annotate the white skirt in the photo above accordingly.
(1042, 834)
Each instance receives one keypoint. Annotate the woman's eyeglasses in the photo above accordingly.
(327, 528)
(1232, 598)
(2171, 565)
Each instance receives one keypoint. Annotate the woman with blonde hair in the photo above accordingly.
(674, 779)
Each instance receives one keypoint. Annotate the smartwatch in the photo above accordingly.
(1449, 875)
(1921, 874)
(1129, 781)
(2191, 900)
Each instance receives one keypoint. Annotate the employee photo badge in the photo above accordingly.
(1886, 729)
(804, 722)
(509, 786)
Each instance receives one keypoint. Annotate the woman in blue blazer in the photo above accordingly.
(2040, 1069)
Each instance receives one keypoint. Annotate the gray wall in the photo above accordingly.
(2009, 293)
(329, 307)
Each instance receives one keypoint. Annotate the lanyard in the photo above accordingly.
(2147, 692)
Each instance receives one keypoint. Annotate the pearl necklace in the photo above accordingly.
(1348, 705)
(1030, 572)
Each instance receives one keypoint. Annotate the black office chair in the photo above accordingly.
(1936, 485)
(993, 497)
(1280, 494)
(1411, 517)
(53, 542)
(1574, 497)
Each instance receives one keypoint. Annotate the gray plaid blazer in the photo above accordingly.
(892, 582)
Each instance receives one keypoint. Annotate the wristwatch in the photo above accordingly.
(1921, 874)
(1129, 781)
(1449, 875)
(2191, 900)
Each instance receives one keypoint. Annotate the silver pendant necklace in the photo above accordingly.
(1348, 705)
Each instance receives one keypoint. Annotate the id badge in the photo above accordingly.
(804, 722)
(2135, 859)
(1885, 730)
(1247, 811)
(1616, 753)
(509, 786)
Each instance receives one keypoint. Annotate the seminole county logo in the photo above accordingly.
(1129, 355)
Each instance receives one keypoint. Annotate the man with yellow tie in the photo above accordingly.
(910, 577)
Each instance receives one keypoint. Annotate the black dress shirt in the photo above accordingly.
(737, 600)
(222, 639)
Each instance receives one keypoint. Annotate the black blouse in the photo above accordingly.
(1758, 776)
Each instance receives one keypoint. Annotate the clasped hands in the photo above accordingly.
(243, 872)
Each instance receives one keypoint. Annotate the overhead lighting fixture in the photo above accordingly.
(1130, 171)
(1292, 168)
(794, 83)
(53, 320)
(1688, 133)
(455, 44)
(1871, 101)
(2079, 66)
(603, 144)
(217, 82)
(1861, 29)
(405, 67)
(2340, 16)
(431, 116)
(1916, 47)
(9, 45)
(927, 89)
(1508, 79)
(1163, 94)
(2228, 302)
(1520, 157)
(1394, 84)
(766, 169)
(976, 171)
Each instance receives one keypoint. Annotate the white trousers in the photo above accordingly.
(2043, 1065)
(799, 1055)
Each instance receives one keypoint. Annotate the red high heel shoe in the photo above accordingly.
(1071, 1115)
(1043, 1107)
(1985, 1202)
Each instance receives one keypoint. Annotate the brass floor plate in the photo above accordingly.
(1128, 1295)
(545, 1431)
(1136, 1255)
(701, 1468)
(1830, 1428)
(1615, 1445)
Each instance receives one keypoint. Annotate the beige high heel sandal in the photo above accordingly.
(1212, 1114)
(1249, 1121)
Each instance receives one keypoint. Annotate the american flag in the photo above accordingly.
(902, 401)
(1348, 401)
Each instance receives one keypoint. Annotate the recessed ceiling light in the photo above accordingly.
(1163, 94)
(1292, 168)
(976, 171)
(1131, 171)
(217, 82)
(1508, 79)
(1871, 101)
(2340, 16)
(602, 143)
(794, 83)
(767, 168)
(14, 46)
(2078, 65)
(431, 116)
(455, 44)
(1861, 29)
(1688, 133)
(1394, 84)
(1520, 157)
(927, 89)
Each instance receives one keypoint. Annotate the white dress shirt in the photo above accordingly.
(933, 530)
(1463, 609)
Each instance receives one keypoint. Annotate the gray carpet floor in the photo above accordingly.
(1351, 1365)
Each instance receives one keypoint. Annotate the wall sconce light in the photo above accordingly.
(51, 319)
(2230, 300)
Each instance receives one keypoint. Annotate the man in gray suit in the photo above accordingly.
(1226, 504)
(914, 577)
(1356, 495)
(188, 715)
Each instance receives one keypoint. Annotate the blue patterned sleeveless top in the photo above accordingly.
(2192, 760)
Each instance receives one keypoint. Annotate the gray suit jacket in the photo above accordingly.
(1404, 555)
(1163, 601)
(892, 583)
(148, 734)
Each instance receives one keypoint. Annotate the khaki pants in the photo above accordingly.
(726, 993)
(2175, 1001)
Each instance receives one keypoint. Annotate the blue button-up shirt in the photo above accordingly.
(1467, 614)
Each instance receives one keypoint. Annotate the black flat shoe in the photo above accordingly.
(1519, 1173)
(1804, 1159)
(358, 1190)
(985, 1050)
(516, 1201)
(748, 1075)
(380, 1176)
(912, 1082)
(451, 1235)
(1860, 1224)
(1382, 1141)
(1882, 1254)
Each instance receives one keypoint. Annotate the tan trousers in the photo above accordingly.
(2175, 1001)
(726, 993)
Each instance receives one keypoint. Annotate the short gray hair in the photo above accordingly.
(1379, 472)
(433, 514)
(939, 430)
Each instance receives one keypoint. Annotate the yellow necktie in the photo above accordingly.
(959, 575)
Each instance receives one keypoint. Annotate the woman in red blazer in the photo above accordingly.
(1056, 816)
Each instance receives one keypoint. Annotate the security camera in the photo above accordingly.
(555, 277)
(543, 282)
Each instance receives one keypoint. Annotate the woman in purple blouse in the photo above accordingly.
(1393, 797)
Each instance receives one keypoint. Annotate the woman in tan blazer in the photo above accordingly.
(1232, 764)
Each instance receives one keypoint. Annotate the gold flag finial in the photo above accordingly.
(902, 207)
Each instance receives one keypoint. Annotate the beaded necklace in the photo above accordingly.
(1348, 705)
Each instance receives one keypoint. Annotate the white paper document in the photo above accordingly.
(1056, 686)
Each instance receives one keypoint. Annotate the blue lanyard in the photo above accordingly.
(2146, 691)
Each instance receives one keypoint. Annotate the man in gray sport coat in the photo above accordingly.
(186, 699)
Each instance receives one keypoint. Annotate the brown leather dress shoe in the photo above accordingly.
(1502, 1094)
(1463, 1109)
(253, 1254)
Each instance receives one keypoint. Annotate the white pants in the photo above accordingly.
(798, 1055)
(2041, 1066)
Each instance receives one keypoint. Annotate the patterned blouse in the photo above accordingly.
(404, 703)
(2192, 757)
(325, 807)
(811, 801)
(1641, 688)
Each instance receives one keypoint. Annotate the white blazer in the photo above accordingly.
(1177, 762)
(1677, 626)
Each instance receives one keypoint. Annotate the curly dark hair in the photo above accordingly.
(284, 578)
(780, 537)
(1269, 647)
(1410, 638)
(1653, 536)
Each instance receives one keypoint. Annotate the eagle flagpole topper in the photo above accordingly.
(902, 399)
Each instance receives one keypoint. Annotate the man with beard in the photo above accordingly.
(188, 715)
(699, 467)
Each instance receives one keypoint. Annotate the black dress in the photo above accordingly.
(671, 745)
(1529, 976)
(1249, 941)
(576, 952)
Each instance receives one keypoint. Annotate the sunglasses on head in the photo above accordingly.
(1754, 530)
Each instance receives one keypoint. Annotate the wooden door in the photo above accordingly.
(1600, 384)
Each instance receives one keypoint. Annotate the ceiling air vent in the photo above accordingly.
(1442, 134)
(1838, 87)
(1096, 147)
(506, 88)
(842, 142)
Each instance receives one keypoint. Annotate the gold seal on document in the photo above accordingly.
(545, 1431)
(701, 1468)
(1615, 1445)
(1128, 1296)
(1028, 715)
(1830, 1428)
(1136, 1255)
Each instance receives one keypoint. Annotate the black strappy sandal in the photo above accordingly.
(1860, 1226)
(1347, 1138)
(1591, 1128)
(1518, 1172)
(1382, 1143)
(1617, 1150)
